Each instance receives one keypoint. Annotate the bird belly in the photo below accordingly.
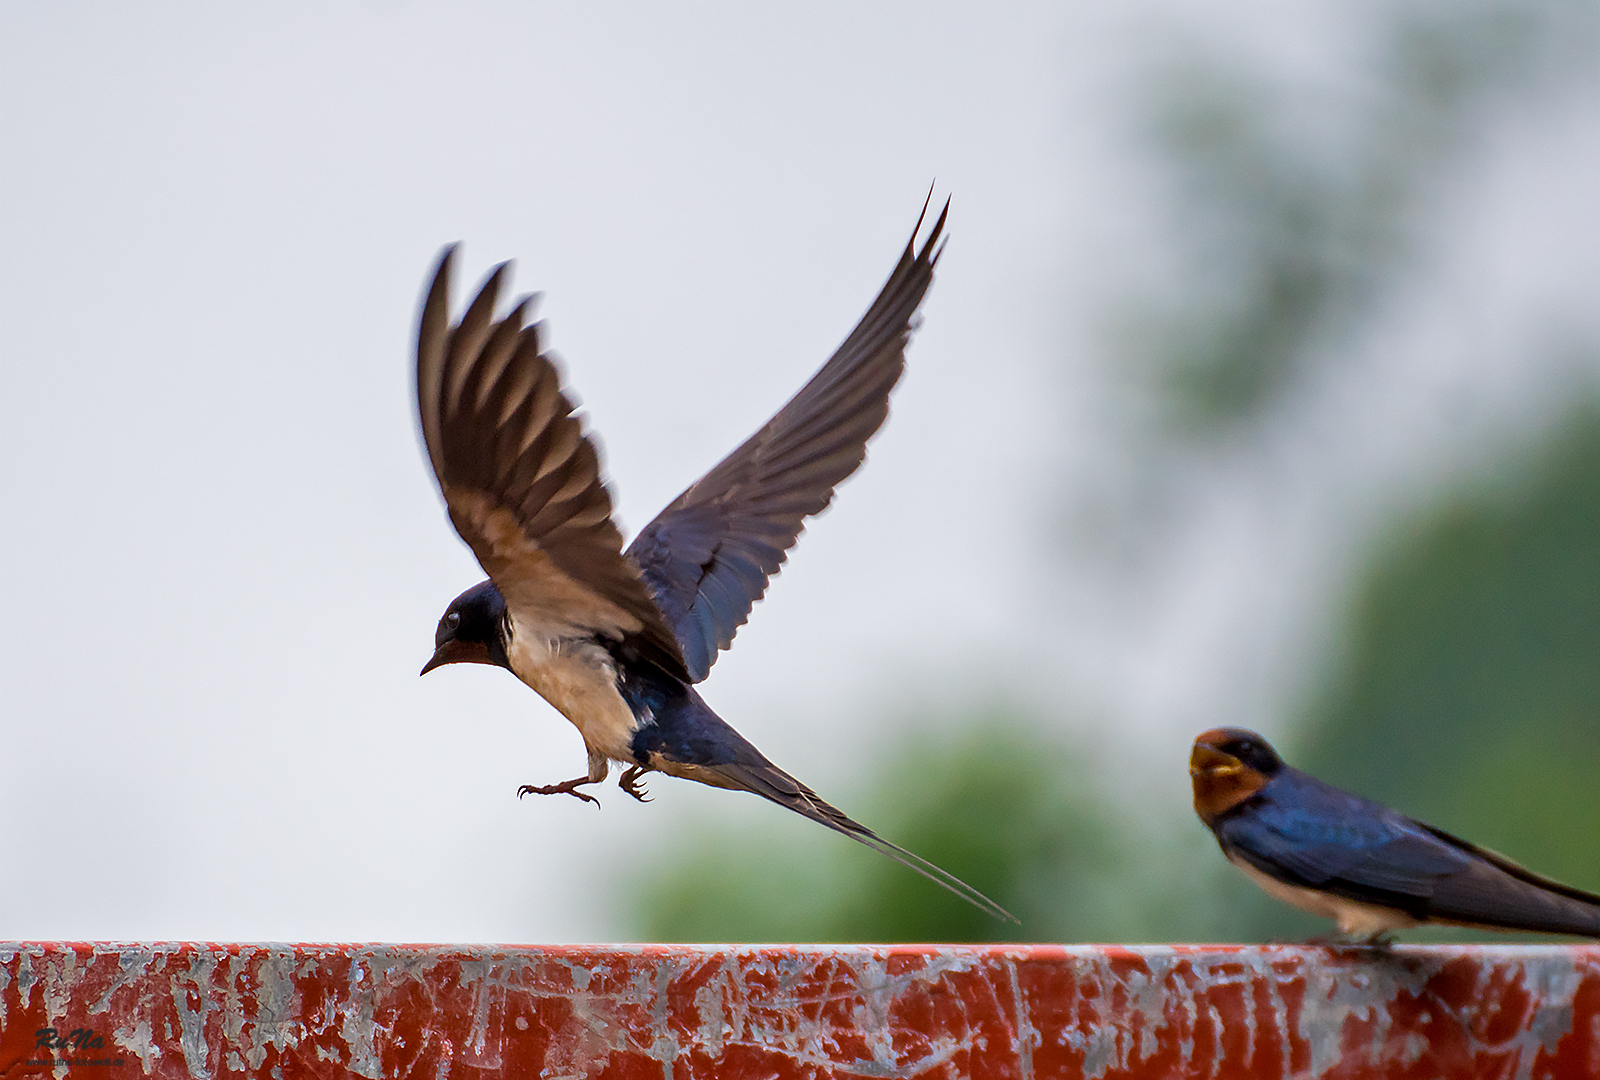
(578, 678)
(1354, 918)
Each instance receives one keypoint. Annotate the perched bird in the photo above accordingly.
(615, 639)
(1368, 867)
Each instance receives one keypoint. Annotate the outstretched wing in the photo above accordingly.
(521, 479)
(707, 557)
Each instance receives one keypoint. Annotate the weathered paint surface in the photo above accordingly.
(288, 1011)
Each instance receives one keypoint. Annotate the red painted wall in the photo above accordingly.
(291, 1011)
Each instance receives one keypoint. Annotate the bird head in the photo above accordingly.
(1228, 765)
(472, 630)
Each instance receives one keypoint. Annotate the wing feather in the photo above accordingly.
(1312, 834)
(709, 555)
(520, 477)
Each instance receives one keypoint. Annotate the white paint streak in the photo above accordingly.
(1023, 1034)
(192, 1022)
(356, 1027)
(59, 978)
(277, 1006)
(133, 964)
(486, 1036)
(138, 1041)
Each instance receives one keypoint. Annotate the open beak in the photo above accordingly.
(1209, 761)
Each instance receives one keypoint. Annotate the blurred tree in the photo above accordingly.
(1293, 212)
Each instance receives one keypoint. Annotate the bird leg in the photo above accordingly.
(629, 782)
(566, 787)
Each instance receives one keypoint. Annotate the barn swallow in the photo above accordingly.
(616, 640)
(1372, 869)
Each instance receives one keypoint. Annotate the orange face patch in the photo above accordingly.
(1221, 781)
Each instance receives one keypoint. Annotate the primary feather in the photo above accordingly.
(709, 555)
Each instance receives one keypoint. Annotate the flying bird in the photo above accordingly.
(617, 639)
(1371, 869)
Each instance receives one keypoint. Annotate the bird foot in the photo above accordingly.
(629, 782)
(1377, 942)
(566, 787)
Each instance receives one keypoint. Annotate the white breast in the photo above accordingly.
(1355, 918)
(579, 679)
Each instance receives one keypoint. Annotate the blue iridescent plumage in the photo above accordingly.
(1371, 868)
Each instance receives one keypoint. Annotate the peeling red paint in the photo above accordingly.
(683, 1012)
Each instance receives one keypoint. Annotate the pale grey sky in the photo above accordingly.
(224, 554)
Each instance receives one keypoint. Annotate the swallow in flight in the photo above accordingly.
(616, 640)
(1368, 867)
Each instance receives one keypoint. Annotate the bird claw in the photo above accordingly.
(629, 782)
(566, 787)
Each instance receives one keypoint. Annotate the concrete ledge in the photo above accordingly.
(436, 1011)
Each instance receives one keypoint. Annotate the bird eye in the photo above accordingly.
(452, 620)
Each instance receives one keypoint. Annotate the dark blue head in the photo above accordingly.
(1243, 745)
(473, 630)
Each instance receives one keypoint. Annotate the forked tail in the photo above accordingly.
(772, 783)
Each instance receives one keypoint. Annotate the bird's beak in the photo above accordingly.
(456, 652)
(1209, 761)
